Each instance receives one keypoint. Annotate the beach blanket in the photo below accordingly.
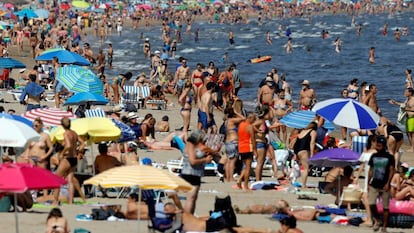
(264, 185)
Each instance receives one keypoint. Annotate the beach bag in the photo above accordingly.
(224, 206)
(100, 214)
(402, 115)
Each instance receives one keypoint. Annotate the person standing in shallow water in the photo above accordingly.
(372, 55)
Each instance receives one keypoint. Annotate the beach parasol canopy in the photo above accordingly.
(127, 133)
(6, 62)
(15, 133)
(28, 12)
(80, 4)
(145, 177)
(79, 79)
(300, 119)
(49, 116)
(144, 6)
(347, 113)
(86, 98)
(96, 129)
(42, 13)
(18, 178)
(16, 118)
(65, 6)
(64, 56)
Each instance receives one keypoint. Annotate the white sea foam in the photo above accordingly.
(188, 50)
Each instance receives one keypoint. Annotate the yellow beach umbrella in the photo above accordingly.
(145, 177)
(80, 4)
(96, 129)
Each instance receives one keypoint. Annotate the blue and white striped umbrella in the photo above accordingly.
(79, 79)
(301, 119)
(347, 113)
(127, 133)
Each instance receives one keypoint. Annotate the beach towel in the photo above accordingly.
(264, 185)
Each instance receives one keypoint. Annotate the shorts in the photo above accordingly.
(7, 40)
(32, 106)
(180, 84)
(373, 194)
(193, 180)
(202, 118)
(261, 145)
(72, 161)
(110, 60)
(232, 149)
(244, 156)
(409, 124)
(59, 87)
(231, 41)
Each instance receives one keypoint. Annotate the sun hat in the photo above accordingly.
(305, 82)
(269, 79)
(132, 115)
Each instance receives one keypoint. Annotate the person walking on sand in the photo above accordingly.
(247, 148)
(380, 174)
(70, 153)
(205, 111)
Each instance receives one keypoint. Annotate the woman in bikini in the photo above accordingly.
(304, 148)
(403, 190)
(353, 88)
(148, 129)
(261, 131)
(56, 223)
(119, 82)
(281, 107)
(232, 140)
(197, 79)
(185, 100)
(394, 135)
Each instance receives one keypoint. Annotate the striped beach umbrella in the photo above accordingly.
(79, 79)
(301, 119)
(145, 177)
(49, 116)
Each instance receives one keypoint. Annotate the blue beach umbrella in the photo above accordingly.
(64, 56)
(127, 133)
(79, 79)
(347, 113)
(28, 12)
(42, 13)
(301, 119)
(16, 118)
(86, 98)
(6, 62)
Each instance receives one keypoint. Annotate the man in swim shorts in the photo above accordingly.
(307, 96)
(205, 112)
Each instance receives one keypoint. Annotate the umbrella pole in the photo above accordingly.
(15, 213)
(139, 209)
(1, 154)
(339, 189)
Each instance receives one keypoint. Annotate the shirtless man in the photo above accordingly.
(182, 75)
(409, 79)
(147, 48)
(266, 92)
(205, 112)
(307, 96)
(371, 99)
(110, 55)
(101, 62)
(69, 162)
(372, 55)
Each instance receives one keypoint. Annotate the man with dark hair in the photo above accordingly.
(380, 174)
(205, 112)
(34, 93)
(103, 161)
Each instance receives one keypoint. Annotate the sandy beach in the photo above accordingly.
(34, 220)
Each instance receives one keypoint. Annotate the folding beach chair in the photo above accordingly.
(98, 112)
(131, 95)
(359, 143)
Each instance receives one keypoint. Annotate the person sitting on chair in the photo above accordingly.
(345, 180)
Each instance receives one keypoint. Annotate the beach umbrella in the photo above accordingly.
(300, 119)
(96, 129)
(15, 133)
(16, 118)
(127, 133)
(86, 98)
(64, 56)
(65, 6)
(218, 3)
(28, 12)
(42, 13)
(49, 116)
(20, 177)
(336, 157)
(103, 6)
(79, 79)
(6, 62)
(347, 113)
(145, 177)
(8, 5)
(80, 4)
(144, 6)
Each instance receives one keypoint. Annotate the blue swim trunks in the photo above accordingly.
(202, 118)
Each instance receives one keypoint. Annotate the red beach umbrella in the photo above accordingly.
(49, 116)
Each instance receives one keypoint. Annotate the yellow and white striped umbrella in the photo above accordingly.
(145, 177)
